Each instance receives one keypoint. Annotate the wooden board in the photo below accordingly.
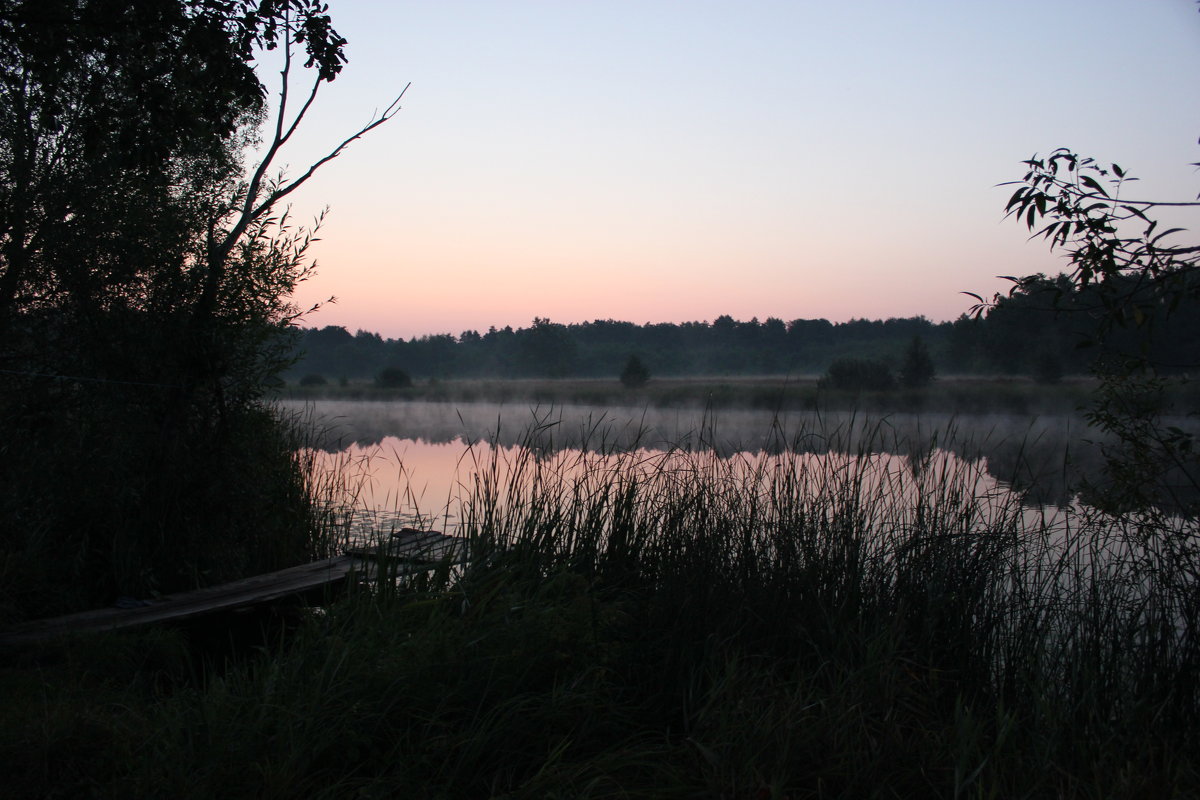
(416, 551)
(410, 545)
(177, 607)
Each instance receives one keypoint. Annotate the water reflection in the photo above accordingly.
(1041, 457)
(900, 498)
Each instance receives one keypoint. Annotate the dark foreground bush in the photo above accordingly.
(98, 502)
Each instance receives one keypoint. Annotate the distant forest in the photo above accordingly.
(1045, 329)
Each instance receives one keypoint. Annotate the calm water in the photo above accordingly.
(412, 462)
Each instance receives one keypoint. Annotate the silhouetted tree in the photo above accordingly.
(393, 378)
(547, 349)
(145, 266)
(917, 369)
(635, 373)
(601, 347)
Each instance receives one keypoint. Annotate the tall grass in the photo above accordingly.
(781, 624)
(787, 551)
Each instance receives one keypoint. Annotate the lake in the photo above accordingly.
(414, 463)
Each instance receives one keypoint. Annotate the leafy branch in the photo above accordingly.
(1116, 248)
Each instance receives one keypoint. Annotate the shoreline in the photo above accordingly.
(952, 394)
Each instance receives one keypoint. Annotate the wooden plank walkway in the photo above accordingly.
(415, 550)
(409, 544)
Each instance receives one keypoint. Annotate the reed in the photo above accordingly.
(780, 624)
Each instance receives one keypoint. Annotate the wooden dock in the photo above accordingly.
(409, 550)
(413, 546)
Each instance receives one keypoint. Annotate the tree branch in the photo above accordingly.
(278, 194)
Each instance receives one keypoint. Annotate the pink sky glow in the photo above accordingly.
(661, 161)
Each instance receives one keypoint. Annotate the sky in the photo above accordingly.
(659, 161)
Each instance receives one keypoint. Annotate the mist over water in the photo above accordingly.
(415, 460)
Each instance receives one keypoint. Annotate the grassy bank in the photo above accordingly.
(683, 626)
(965, 395)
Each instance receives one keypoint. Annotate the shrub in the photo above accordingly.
(313, 380)
(917, 369)
(635, 373)
(393, 378)
(858, 374)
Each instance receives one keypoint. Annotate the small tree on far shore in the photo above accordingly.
(917, 369)
(635, 373)
(393, 378)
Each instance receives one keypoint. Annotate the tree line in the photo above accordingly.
(1037, 330)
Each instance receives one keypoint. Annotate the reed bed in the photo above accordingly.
(781, 624)
(794, 548)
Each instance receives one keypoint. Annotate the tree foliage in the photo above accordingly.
(995, 342)
(393, 378)
(146, 264)
(124, 191)
(123, 128)
(1133, 284)
(635, 374)
(1120, 259)
(548, 349)
(917, 368)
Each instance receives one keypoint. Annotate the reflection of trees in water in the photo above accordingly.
(1045, 458)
